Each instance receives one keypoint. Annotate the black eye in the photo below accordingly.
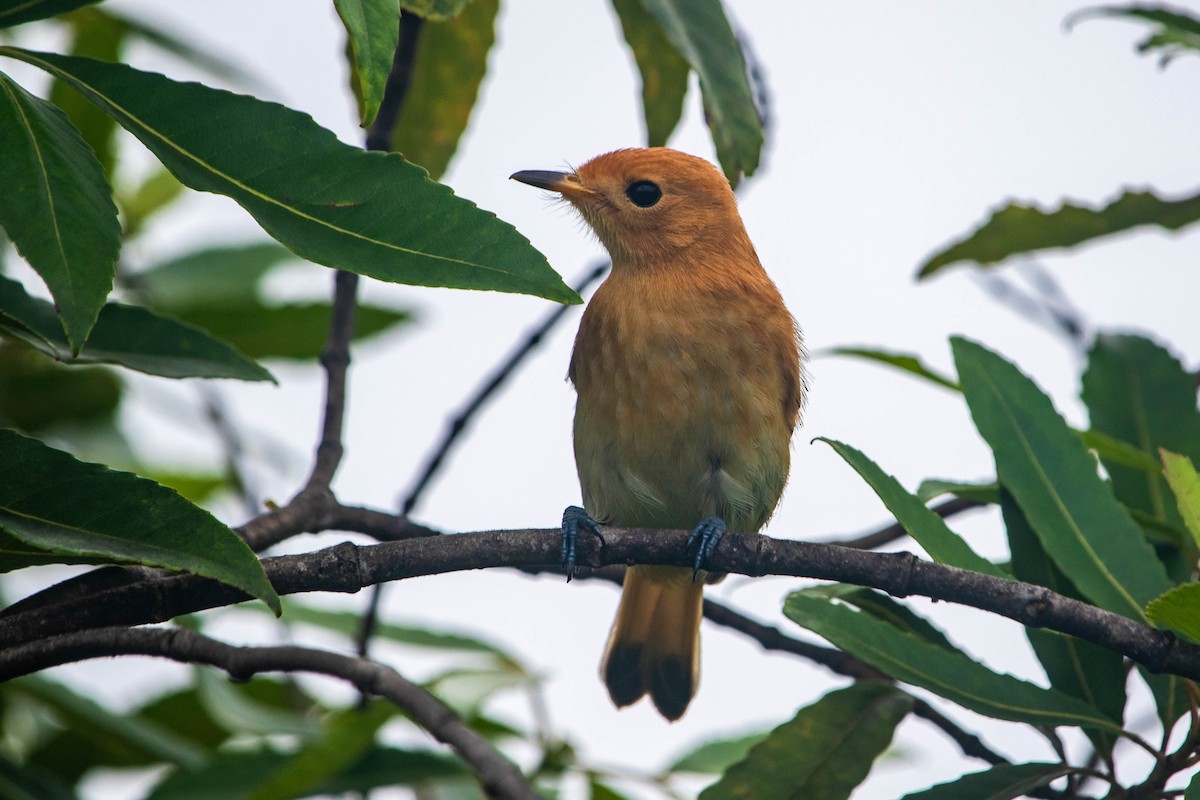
(643, 193)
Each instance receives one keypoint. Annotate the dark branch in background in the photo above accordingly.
(231, 443)
(499, 776)
(497, 379)
(1048, 305)
(890, 533)
(349, 568)
(335, 358)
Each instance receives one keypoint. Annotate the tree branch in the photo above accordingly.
(348, 568)
(499, 777)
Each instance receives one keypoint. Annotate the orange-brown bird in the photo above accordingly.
(688, 371)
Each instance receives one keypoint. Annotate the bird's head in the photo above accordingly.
(650, 206)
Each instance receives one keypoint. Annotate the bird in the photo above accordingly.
(689, 379)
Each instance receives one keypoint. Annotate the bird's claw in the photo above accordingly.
(703, 540)
(573, 519)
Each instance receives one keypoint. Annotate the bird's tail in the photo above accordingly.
(654, 646)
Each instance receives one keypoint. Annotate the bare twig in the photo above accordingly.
(893, 531)
(499, 776)
(335, 358)
(460, 420)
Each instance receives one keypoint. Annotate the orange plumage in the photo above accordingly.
(687, 369)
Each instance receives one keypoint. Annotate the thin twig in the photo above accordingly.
(498, 776)
(335, 358)
(231, 443)
(894, 531)
(458, 423)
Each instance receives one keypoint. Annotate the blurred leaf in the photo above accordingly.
(601, 791)
(216, 276)
(903, 361)
(1017, 229)
(882, 608)
(1185, 484)
(57, 207)
(51, 501)
(824, 752)
(1092, 673)
(716, 756)
(950, 674)
(14, 12)
(1193, 788)
(36, 393)
(436, 10)
(196, 487)
(1088, 534)
(450, 64)
(1177, 33)
(373, 28)
(257, 713)
(1178, 609)
(389, 766)
(371, 213)
(466, 690)
(700, 33)
(926, 527)
(26, 782)
(664, 72)
(1113, 451)
(131, 336)
(94, 34)
(1139, 393)
(1003, 782)
(297, 331)
(979, 492)
(347, 736)
(180, 47)
(159, 190)
(114, 731)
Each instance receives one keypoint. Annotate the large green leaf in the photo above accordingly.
(373, 27)
(701, 34)
(371, 213)
(927, 528)
(948, 673)
(212, 276)
(716, 756)
(1092, 673)
(57, 207)
(127, 335)
(1185, 485)
(94, 34)
(14, 12)
(449, 68)
(664, 72)
(882, 607)
(1090, 535)
(825, 751)
(1003, 782)
(1138, 392)
(1017, 229)
(1178, 609)
(63, 506)
(36, 393)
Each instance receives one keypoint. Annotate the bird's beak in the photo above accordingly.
(561, 182)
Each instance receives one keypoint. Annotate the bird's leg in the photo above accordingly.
(703, 540)
(573, 519)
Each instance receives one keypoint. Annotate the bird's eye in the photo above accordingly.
(643, 193)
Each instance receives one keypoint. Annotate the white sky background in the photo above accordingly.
(896, 128)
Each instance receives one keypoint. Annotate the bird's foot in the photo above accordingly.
(703, 540)
(573, 519)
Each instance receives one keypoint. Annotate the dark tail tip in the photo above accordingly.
(672, 687)
(623, 675)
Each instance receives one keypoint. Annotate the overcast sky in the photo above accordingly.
(896, 127)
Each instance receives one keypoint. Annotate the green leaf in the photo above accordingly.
(450, 64)
(1185, 484)
(904, 361)
(57, 207)
(133, 337)
(55, 503)
(466, 690)
(715, 756)
(242, 712)
(1017, 229)
(297, 331)
(158, 191)
(1088, 534)
(881, 607)
(1003, 782)
(373, 27)
(1092, 673)
(150, 742)
(94, 34)
(825, 751)
(927, 528)
(701, 34)
(602, 791)
(1177, 32)
(36, 393)
(214, 276)
(367, 212)
(26, 782)
(948, 673)
(1178, 609)
(348, 735)
(1193, 789)
(436, 10)
(1139, 393)
(931, 488)
(664, 72)
(15, 12)
(1114, 452)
